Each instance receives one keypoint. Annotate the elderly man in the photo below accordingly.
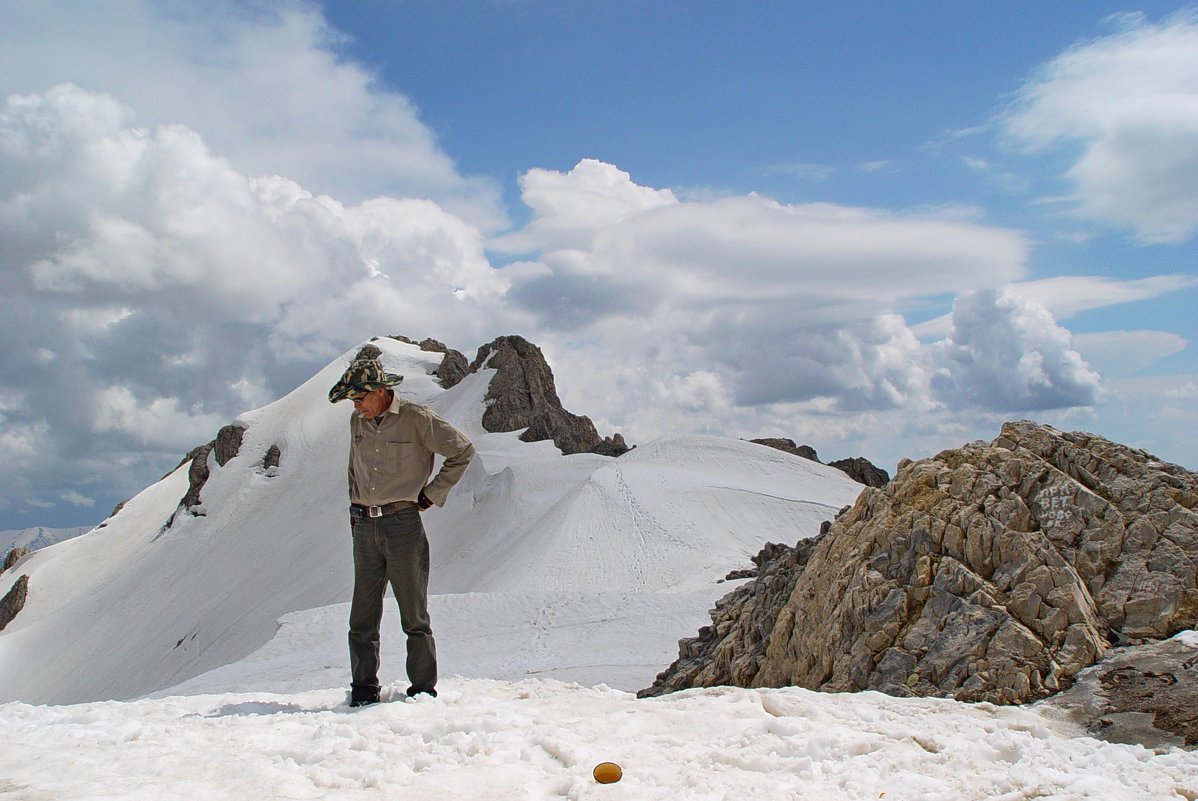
(392, 445)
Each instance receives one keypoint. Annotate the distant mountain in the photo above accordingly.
(38, 537)
(164, 592)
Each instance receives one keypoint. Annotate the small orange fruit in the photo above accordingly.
(607, 772)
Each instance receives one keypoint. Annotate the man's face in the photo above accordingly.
(372, 404)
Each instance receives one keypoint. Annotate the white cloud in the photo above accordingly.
(262, 84)
(151, 292)
(1008, 353)
(771, 303)
(1121, 353)
(1068, 295)
(1130, 100)
(77, 499)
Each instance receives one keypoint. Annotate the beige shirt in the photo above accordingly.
(391, 460)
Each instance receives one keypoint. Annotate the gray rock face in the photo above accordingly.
(14, 556)
(226, 445)
(996, 572)
(1145, 694)
(522, 394)
(788, 446)
(13, 601)
(454, 366)
(860, 469)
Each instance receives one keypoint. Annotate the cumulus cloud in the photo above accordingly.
(1130, 102)
(1007, 353)
(152, 291)
(262, 84)
(782, 303)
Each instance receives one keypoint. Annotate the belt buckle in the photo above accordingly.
(374, 511)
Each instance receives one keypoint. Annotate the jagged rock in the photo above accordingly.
(272, 457)
(1144, 694)
(227, 443)
(453, 368)
(731, 650)
(522, 394)
(13, 601)
(996, 572)
(15, 555)
(862, 470)
(788, 446)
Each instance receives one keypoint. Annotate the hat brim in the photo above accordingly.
(343, 388)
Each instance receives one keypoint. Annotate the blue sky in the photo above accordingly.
(878, 228)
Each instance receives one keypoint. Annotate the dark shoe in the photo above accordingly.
(365, 699)
(413, 692)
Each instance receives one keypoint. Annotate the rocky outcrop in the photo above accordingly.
(226, 445)
(788, 446)
(272, 457)
(522, 395)
(996, 572)
(860, 469)
(1144, 694)
(454, 366)
(14, 556)
(13, 601)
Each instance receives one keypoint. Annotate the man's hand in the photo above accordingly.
(423, 502)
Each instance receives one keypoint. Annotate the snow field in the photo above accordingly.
(540, 739)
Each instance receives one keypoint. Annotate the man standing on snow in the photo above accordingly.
(392, 445)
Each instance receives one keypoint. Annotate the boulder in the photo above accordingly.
(454, 366)
(860, 469)
(13, 601)
(993, 572)
(522, 395)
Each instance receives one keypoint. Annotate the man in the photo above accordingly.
(392, 445)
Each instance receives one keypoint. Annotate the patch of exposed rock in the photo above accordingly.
(858, 468)
(522, 395)
(13, 556)
(1144, 694)
(454, 366)
(993, 572)
(226, 445)
(13, 601)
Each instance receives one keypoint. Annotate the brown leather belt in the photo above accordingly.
(358, 510)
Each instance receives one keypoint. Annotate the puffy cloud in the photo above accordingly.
(1006, 353)
(1067, 295)
(783, 304)
(1130, 100)
(262, 84)
(152, 291)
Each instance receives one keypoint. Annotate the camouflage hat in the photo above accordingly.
(364, 374)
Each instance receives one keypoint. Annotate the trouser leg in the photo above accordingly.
(408, 569)
(366, 608)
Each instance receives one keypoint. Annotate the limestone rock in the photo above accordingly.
(454, 366)
(14, 556)
(13, 601)
(862, 470)
(788, 446)
(1146, 694)
(522, 395)
(996, 572)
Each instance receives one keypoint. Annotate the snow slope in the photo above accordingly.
(531, 542)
